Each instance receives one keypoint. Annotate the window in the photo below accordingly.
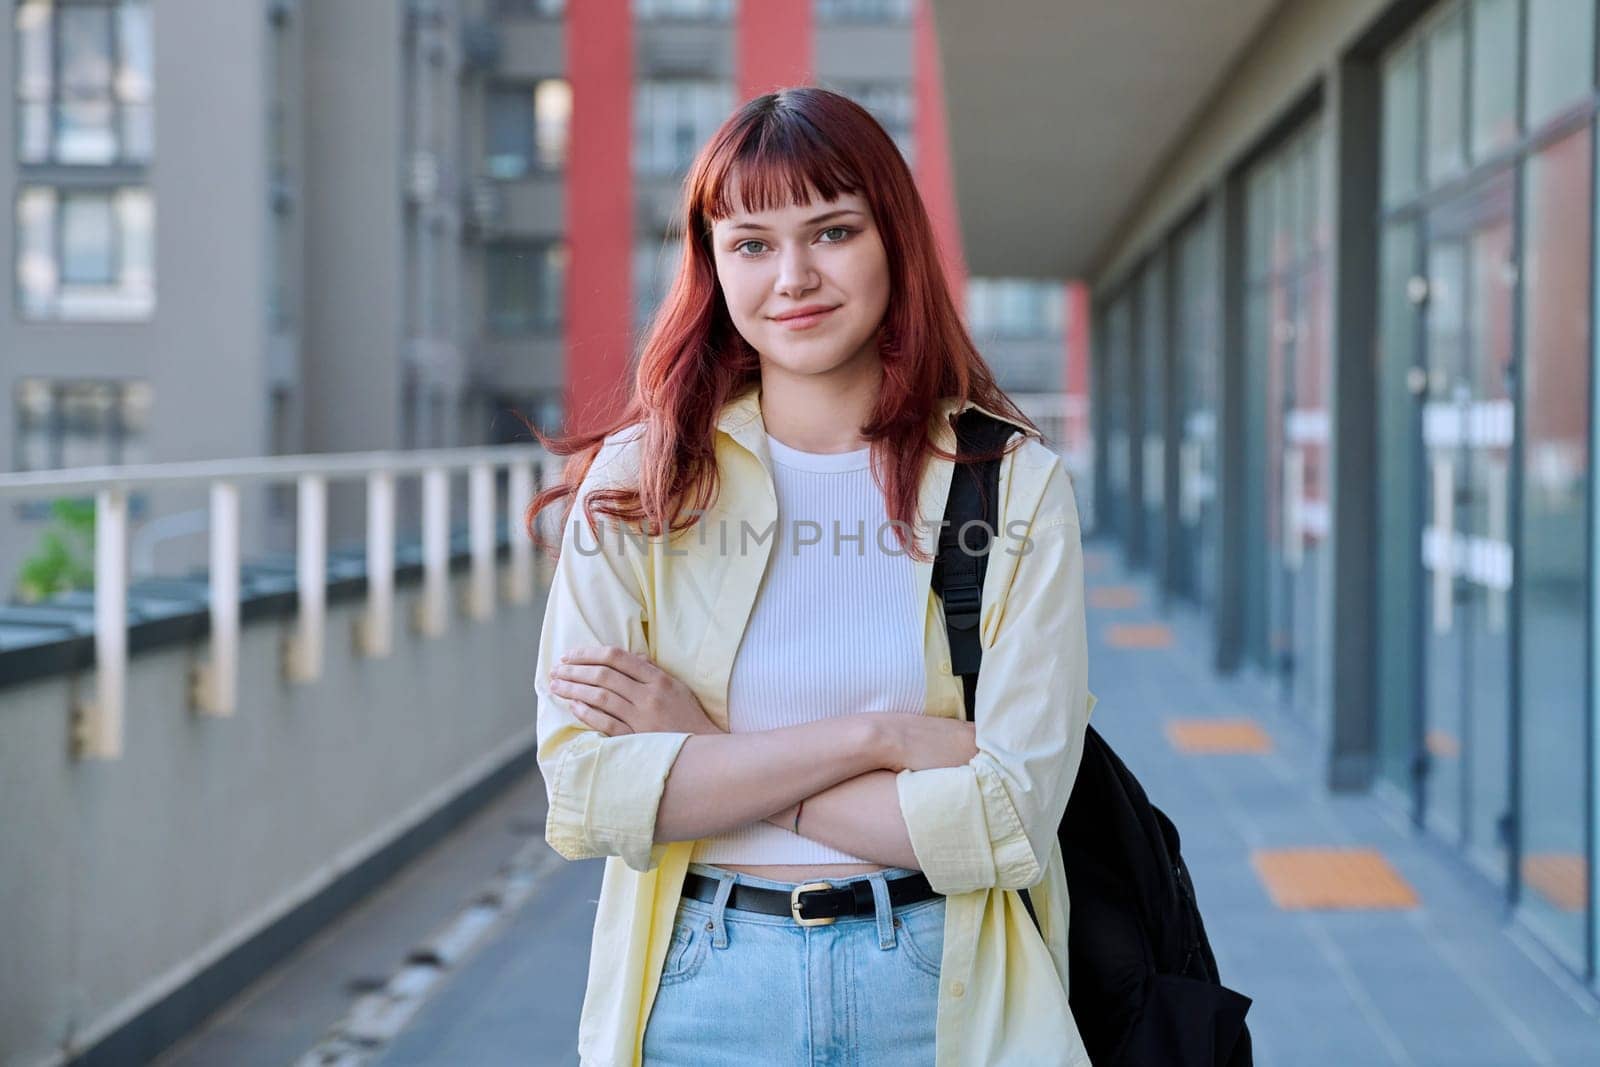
(525, 287)
(1014, 308)
(543, 8)
(683, 9)
(863, 11)
(1560, 56)
(85, 255)
(84, 82)
(891, 103)
(655, 263)
(673, 118)
(61, 424)
(528, 127)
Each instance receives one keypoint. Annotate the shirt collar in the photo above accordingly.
(741, 417)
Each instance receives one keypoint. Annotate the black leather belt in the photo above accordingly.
(812, 903)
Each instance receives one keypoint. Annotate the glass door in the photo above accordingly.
(1467, 435)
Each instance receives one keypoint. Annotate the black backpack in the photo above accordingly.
(1143, 982)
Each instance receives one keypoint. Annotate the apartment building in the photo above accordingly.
(281, 226)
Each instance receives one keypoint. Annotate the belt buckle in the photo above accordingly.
(794, 904)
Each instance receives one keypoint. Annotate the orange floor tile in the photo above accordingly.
(1114, 597)
(1149, 635)
(1559, 877)
(1323, 879)
(1217, 736)
(1443, 744)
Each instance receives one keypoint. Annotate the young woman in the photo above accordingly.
(743, 679)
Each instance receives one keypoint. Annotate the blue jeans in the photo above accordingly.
(742, 987)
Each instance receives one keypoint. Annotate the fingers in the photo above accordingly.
(596, 696)
(600, 677)
(635, 667)
(596, 719)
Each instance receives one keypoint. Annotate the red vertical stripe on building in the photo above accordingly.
(931, 146)
(773, 46)
(1076, 374)
(599, 283)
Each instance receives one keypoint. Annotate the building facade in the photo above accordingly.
(1344, 396)
(291, 226)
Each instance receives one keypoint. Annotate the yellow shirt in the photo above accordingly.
(980, 831)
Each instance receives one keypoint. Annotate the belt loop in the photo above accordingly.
(719, 929)
(884, 911)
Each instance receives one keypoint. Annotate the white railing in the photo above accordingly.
(98, 718)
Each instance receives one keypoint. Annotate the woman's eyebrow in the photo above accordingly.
(824, 217)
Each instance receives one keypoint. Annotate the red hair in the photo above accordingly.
(784, 147)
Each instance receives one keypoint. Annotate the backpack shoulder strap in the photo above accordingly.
(962, 560)
(963, 557)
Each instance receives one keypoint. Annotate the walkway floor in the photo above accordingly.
(1430, 974)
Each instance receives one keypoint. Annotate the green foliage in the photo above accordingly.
(64, 558)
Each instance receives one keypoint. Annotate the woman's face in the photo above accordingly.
(822, 258)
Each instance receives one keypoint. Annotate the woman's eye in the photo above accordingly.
(842, 231)
(742, 244)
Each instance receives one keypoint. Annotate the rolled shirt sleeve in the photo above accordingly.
(603, 792)
(992, 822)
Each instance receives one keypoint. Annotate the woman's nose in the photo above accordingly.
(795, 273)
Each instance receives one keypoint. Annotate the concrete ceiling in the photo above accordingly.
(1061, 111)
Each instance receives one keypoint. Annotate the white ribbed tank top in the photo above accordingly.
(833, 631)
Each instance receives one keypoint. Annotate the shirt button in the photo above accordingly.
(957, 989)
(944, 667)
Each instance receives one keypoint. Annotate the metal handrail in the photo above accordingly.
(97, 725)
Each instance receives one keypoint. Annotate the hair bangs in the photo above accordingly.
(777, 160)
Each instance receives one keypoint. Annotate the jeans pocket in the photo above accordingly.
(686, 951)
(920, 932)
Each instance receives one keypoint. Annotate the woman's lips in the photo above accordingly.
(801, 322)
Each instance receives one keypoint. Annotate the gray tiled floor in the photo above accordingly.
(1447, 983)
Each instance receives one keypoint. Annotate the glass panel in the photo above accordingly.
(1119, 387)
(134, 58)
(138, 400)
(1197, 336)
(511, 132)
(553, 117)
(33, 133)
(85, 50)
(138, 133)
(1494, 75)
(524, 290)
(34, 405)
(136, 216)
(1560, 55)
(36, 251)
(1397, 503)
(88, 239)
(673, 118)
(1552, 528)
(85, 423)
(33, 51)
(682, 9)
(1485, 518)
(1402, 125)
(862, 10)
(655, 264)
(1447, 55)
(1152, 362)
(1444, 656)
(84, 132)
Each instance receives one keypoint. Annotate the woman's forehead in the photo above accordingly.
(811, 204)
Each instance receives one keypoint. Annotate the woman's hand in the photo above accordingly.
(619, 692)
(921, 742)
